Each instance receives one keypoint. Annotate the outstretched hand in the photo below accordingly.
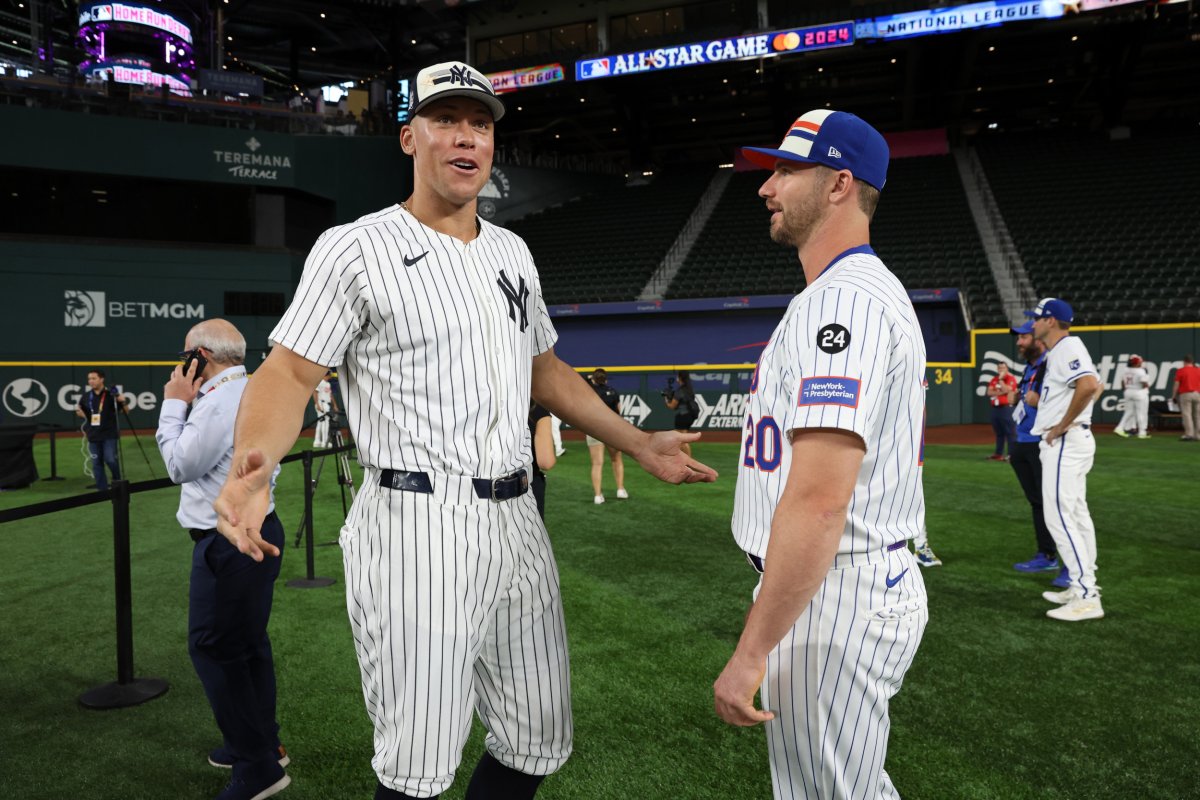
(242, 505)
(664, 458)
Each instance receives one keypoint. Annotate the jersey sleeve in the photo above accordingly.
(1073, 363)
(544, 334)
(330, 304)
(839, 345)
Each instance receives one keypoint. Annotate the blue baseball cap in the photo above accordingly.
(1026, 327)
(837, 139)
(1052, 307)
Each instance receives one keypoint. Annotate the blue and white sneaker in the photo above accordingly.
(926, 558)
(1039, 563)
(1063, 580)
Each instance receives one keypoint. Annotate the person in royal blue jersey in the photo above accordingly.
(1025, 451)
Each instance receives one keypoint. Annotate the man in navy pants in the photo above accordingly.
(230, 595)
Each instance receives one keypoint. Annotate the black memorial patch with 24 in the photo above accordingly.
(833, 338)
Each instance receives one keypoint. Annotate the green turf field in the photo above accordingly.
(1001, 702)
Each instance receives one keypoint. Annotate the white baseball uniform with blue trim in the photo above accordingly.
(453, 598)
(1066, 463)
(847, 355)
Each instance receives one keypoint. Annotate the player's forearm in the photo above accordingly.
(271, 413)
(804, 540)
(561, 391)
(1084, 393)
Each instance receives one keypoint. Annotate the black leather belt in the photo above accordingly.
(757, 562)
(199, 534)
(505, 488)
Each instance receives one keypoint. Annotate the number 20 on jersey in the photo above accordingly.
(763, 448)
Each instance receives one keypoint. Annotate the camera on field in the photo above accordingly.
(669, 392)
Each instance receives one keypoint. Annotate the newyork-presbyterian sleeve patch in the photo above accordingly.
(830, 390)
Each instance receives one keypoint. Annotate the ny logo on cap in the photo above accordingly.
(833, 153)
(460, 75)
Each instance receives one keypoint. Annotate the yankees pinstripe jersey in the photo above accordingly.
(436, 338)
(848, 354)
(1066, 362)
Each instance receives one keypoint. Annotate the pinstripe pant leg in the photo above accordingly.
(831, 679)
(522, 678)
(421, 579)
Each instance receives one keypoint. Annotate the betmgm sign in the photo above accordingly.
(89, 309)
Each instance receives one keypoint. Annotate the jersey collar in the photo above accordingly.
(862, 248)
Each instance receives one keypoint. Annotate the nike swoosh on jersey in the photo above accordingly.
(893, 581)
(408, 262)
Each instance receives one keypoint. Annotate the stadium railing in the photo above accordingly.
(128, 690)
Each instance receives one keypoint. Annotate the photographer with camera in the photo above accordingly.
(682, 400)
(612, 399)
(98, 407)
(229, 599)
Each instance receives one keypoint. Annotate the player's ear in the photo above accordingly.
(407, 140)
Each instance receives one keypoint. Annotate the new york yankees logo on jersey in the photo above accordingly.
(517, 297)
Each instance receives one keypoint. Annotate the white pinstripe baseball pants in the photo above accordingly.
(830, 680)
(454, 606)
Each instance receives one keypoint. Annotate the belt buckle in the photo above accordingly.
(495, 483)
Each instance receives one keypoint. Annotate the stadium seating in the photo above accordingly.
(923, 230)
(1110, 226)
(605, 247)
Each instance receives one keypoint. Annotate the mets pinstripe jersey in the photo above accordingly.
(452, 593)
(848, 355)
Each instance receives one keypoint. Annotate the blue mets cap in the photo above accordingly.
(1025, 327)
(1052, 307)
(837, 139)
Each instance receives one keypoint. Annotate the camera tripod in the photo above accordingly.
(345, 478)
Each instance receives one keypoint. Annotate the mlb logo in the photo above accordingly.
(595, 69)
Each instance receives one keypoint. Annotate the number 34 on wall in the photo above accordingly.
(941, 376)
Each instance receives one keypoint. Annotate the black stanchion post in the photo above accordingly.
(128, 690)
(311, 581)
(53, 459)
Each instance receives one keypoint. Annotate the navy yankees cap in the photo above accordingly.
(1052, 307)
(454, 79)
(837, 139)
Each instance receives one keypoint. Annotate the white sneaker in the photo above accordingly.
(622, 494)
(1078, 609)
(559, 451)
(598, 499)
(1143, 436)
(1063, 597)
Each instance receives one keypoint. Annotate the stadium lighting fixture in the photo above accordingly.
(322, 15)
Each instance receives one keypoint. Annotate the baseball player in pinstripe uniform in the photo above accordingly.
(438, 320)
(1064, 419)
(829, 491)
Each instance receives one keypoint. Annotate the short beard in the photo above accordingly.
(798, 222)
